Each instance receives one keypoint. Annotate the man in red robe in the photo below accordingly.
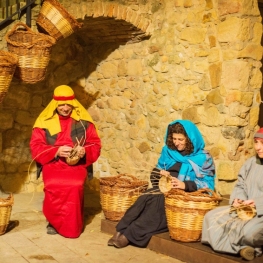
(64, 144)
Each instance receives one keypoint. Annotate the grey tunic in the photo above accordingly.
(227, 233)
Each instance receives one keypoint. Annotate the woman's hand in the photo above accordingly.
(249, 202)
(237, 202)
(80, 151)
(165, 173)
(63, 151)
(176, 183)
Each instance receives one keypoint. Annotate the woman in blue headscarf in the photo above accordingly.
(183, 157)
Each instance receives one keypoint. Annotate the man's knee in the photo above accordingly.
(253, 238)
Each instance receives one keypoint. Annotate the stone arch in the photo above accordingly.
(135, 25)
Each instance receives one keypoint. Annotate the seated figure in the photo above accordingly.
(227, 232)
(183, 157)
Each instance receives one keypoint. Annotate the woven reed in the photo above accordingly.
(185, 212)
(8, 63)
(5, 212)
(244, 212)
(165, 184)
(55, 20)
(33, 51)
(118, 193)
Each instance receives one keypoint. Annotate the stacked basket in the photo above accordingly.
(5, 212)
(8, 63)
(185, 212)
(55, 20)
(33, 51)
(118, 193)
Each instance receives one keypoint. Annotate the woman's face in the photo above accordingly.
(258, 145)
(64, 109)
(179, 141)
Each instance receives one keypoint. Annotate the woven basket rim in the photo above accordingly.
(64, 12)
(122, 181)
(201, 195)
(10, 58)
(9, 201)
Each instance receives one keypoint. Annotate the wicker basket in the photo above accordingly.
(33, 51)
(185, 212)
(5, 212)
(55, 20)
(118, 193)
(8, 63)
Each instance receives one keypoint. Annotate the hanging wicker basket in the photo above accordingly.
(185, 212)
(55, 20)
(33, 51)
(5, 212)
(118, 193)
(8, 63)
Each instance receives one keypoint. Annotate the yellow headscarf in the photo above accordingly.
(48, 118)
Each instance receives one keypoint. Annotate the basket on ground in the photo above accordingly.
(8, 63)
(55, 20)
(5, 212)
(118, 193)
(33, 51)
(185, 212)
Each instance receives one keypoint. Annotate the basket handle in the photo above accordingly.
(21, 24)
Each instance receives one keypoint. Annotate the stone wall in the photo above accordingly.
(157, 61)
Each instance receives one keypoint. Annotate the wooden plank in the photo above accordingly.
(194, 252)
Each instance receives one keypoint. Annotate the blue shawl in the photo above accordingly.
(197, 166)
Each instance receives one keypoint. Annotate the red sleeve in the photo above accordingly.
(41, 152)
(92, 145)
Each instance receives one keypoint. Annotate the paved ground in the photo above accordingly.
(28, 241)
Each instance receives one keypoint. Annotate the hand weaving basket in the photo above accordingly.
(118, 193)
(33, 51)
(55, 20)
(185, 212)
(244, 212)
(8, 63)
(5, 212)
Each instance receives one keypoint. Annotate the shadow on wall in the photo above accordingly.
(71, 59)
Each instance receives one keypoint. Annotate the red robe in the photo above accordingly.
(64, 184)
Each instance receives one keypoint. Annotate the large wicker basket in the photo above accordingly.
(33, 51)
(5, 212)
(185, 212)
(55, 20)
(8, 63)
(118, 193)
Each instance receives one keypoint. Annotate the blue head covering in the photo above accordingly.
(198, 166)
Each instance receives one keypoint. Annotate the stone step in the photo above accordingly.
(194, 252)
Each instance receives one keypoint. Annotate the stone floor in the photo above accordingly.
(28, 241)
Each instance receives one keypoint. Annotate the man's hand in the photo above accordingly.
(80, 151)
(63, 151)
(237, 202)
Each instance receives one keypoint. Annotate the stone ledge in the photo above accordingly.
(188, 252)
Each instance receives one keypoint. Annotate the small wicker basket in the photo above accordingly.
(5, 212)
(33, 51)
(8, 63)
(118, 193)
(55, 20)
(185, 212)
(243, 211)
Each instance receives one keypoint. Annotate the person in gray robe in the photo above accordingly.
(227, 232)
